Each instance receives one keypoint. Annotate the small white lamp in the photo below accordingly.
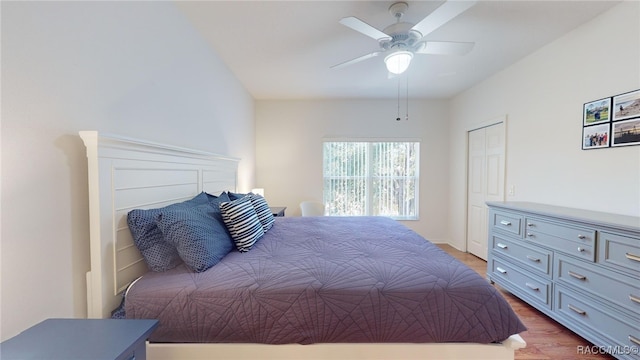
(258, 191)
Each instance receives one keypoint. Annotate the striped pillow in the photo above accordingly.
(242, 222)
(263, 210)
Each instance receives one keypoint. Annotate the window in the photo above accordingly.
(371, 178)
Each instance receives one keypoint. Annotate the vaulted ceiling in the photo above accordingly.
(284, 49)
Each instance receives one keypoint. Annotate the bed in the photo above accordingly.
(313, 287)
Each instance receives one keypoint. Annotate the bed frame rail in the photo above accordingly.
(343, 351)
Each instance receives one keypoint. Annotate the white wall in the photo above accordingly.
(542, 96)
(289, 138)
(132, 68)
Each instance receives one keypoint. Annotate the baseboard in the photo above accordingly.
(449, 244)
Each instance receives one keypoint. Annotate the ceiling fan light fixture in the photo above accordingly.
(398, 61)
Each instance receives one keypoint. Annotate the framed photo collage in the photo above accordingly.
(613, 121)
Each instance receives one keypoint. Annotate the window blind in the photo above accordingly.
(377, 178)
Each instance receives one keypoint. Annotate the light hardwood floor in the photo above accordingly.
(546, 339)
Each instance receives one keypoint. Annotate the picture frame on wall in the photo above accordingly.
(596, 112)
(626, 106)
(596, 136)
(612, 121)
(626, 133)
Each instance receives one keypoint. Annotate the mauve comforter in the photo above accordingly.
(327, 279)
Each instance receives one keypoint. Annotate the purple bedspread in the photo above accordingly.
(327, 279)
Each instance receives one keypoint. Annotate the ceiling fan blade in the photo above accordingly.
(443, 14)
(363, 28)
(358, 59)
(445, 48)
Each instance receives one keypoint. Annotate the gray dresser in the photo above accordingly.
(580, 267)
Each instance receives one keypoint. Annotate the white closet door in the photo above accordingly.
(485, 182)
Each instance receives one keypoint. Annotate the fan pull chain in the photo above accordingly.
(406, 117)
(407, 99)
(398, 115)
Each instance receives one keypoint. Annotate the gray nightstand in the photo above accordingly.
(278, 210)
(81, 339)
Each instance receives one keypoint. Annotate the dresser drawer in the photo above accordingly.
(616, 288)
(537, 289)
(620, 252)
(508, 222)
(585, 252)
(579, 242)
(595, 319)
(537, 259)
(583, 236)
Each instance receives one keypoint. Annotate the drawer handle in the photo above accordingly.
(581, 249)
(505, 223)
(634, 298)
(501, 245)
(632, 256)
(530, 225)
(634, 339)
(577, 276)
(581, 236)
(532, 258)
(529, 234)
(577, 310)
(532, 286)
(501, 270)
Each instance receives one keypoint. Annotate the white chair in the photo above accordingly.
(312, 208)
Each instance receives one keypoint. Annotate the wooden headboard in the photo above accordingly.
(126, 174)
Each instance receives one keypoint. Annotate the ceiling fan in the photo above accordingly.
(400, 41)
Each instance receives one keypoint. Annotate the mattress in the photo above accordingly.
(326, 280)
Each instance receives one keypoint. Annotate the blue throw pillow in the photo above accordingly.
(159, 255)
(259, 205)
(263, 211)
(217, 200)
(242, 222)
(198, 234)
(235, 196)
